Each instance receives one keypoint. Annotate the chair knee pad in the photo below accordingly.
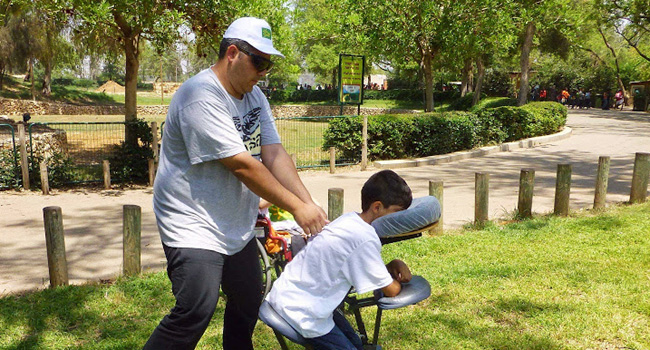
(412, 292)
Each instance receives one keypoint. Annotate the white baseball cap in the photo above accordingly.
(255, 31)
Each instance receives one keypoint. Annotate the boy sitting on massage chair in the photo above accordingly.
(347, 253)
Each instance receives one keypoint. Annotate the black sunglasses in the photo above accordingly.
(260, 63)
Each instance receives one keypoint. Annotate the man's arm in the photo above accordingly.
(279, 163)
(261, 181)
(277, 160)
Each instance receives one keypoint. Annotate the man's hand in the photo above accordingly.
(311, 218)
(400, 272)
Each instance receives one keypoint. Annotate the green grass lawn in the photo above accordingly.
(546, 283)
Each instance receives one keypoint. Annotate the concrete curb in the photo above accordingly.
(475, 153)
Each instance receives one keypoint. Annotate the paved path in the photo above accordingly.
(93, 219)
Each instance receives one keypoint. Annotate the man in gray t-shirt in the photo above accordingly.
(220, 152)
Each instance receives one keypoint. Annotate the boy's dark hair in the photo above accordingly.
(226, 42)
(388, 188)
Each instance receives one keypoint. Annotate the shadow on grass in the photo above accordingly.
(82, 317)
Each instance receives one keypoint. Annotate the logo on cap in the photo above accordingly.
(266, 33)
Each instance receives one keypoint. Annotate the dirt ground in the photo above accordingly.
(92, 218)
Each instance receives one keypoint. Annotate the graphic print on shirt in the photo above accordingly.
(250, 131)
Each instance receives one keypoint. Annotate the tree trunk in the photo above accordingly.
(466, 81)
(47, 79)
(2, 73)
(130, 87)
(618, 69)
(480, 67)
(428, 81)
(525, 63)
(31, 70)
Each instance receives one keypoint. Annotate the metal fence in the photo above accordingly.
(303, 136)
(9, 170)
(87, 144)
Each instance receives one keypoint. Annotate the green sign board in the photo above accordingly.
(351, 79)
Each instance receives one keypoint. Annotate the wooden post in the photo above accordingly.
(152, 171)
(364, 144)
(107, 174)
(334, 203)
(24, 162)
(602, 178)
(481, 198)
(332, 160)
(562, 190)
(132, 219)
(640, 176)
(526, 187)
(436, 190)
(45, 184)
(55, 245)
(154, 140)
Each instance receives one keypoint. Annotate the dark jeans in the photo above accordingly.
(196, 275)
(341, 337)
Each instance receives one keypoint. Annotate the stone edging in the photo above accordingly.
(479, 152)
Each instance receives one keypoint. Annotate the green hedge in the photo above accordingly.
(406, 136)
(412, 95)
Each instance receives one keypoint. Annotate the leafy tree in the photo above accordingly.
(542, 18)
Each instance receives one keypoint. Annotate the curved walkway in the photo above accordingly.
(93, 219)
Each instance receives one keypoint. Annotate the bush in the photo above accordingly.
(493, 102)
(85, 83)
(60, 170)
(463, 103)
(331, 95)
(131, 164)
(9, 169)
(402, 136)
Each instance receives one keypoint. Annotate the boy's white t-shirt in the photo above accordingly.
(346, 253)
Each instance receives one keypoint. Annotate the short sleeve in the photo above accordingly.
(209, 132)
(365, 269)
(270, 133)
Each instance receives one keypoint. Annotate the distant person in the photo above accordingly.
(588, 99)
(619, 99)
(565, 96)
(606, 101)
(542, 95)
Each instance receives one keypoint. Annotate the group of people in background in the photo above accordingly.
(578, 99)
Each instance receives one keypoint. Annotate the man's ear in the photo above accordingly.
(232, 52)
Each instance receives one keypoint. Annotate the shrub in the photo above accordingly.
(463, 103)
(131, 164)
(400, 136)
(9, 169)
(61, 170)
(493, 102)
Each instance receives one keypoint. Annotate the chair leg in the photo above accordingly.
(281, 340)
(375, 336)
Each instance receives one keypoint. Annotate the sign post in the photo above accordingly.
(351, 72)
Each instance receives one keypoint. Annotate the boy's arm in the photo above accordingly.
(401, 274)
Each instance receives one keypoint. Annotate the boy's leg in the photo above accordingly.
(242, 284)
(195, 275)
(342, 323)
(334, 340)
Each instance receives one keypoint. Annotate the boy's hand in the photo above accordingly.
(400, 272)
